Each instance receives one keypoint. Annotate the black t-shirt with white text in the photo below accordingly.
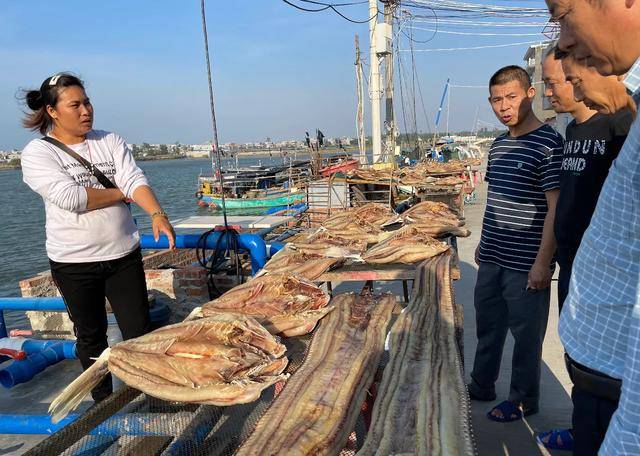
(589, 150)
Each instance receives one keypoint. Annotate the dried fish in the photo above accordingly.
(309, 266)
(407, 245)
(319, 405)
(422, 406)
(437, 230)
(221, 360)
(434, 213)
(283, 303)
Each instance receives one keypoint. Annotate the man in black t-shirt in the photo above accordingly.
(590, 148)
(593, 140)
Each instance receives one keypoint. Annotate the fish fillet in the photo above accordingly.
(407, 245)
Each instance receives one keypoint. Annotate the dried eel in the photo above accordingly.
(319, 405)
(422, 406)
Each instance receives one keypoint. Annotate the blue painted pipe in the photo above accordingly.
(275, 247)
(251, 243)
(22, 371)
(68, 347)
(32, 304)
(138, 424)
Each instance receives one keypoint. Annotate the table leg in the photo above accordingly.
(405, 290)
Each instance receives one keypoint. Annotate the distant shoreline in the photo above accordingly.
(7, 167)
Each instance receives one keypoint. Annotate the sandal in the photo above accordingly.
(557, 439)
(510, 412)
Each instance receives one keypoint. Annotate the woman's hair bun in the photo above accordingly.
(34, 99)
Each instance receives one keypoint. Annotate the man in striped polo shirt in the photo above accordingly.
(515, 255)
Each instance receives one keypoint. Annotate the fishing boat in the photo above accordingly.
(254, 203)
(342, 165)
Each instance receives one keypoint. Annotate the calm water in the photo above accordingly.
(22, 251)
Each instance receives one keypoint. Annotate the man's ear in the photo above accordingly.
(531, 92)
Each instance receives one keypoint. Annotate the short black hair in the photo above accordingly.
(511, 73)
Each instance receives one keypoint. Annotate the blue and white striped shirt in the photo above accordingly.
(519, 171)
(600, 322)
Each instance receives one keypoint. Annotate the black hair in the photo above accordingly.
(511, 73)
(38, 100)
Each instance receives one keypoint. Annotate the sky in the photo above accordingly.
(277, 71)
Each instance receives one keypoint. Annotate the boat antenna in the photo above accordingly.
(215, 148)
(215, 263)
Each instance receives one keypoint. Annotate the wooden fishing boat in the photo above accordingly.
(339, 167)
(253, 203)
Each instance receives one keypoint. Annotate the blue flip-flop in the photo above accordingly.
(510, 412)
(565, 435)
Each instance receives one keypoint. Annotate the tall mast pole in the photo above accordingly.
(362, 142)
(374, 83)
(390, 127)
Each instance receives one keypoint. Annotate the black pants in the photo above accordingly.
(591, 417)
(564, 257)
(84, 286)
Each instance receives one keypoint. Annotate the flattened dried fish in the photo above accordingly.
(434, 213)
(282, 303)
(407, 245)
(319, 405)
(305, 265)
(221, 360)
(422, 406)
(436, 231)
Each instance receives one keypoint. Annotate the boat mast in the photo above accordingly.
(374, 83)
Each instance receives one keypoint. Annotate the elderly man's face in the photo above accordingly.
(600, 31)
(605, 94)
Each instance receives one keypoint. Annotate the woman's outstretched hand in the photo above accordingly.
(161, 225)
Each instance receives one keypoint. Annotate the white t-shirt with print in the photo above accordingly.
(75, 234)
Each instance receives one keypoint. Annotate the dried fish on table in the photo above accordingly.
(422, 406)
(309, 266)
(221, 360)
(369, 215)
(438, 231)
(407, 245)
(322, 242)
(317, 409)
(283, 303)
(431, 212)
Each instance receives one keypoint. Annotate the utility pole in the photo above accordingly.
(362, 142)
(390, 126)
(374, 82)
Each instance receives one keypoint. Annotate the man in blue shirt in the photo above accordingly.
(515, 254)
(600, 323)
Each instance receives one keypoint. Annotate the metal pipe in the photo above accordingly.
(136, 424)
(252, 243)
(32, 304)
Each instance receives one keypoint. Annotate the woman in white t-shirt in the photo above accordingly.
(92, 240)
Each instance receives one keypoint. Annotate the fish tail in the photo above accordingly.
(73, 394)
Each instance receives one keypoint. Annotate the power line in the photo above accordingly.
(471, 48)
(333, 7)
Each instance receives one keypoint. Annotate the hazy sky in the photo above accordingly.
(278, 72)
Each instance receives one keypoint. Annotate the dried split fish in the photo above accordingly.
(221, 360)
(422, 406)
(437, 231)
(283, 303)
(434, 213)
(318, 407)
(407, 245)
(309, 266)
